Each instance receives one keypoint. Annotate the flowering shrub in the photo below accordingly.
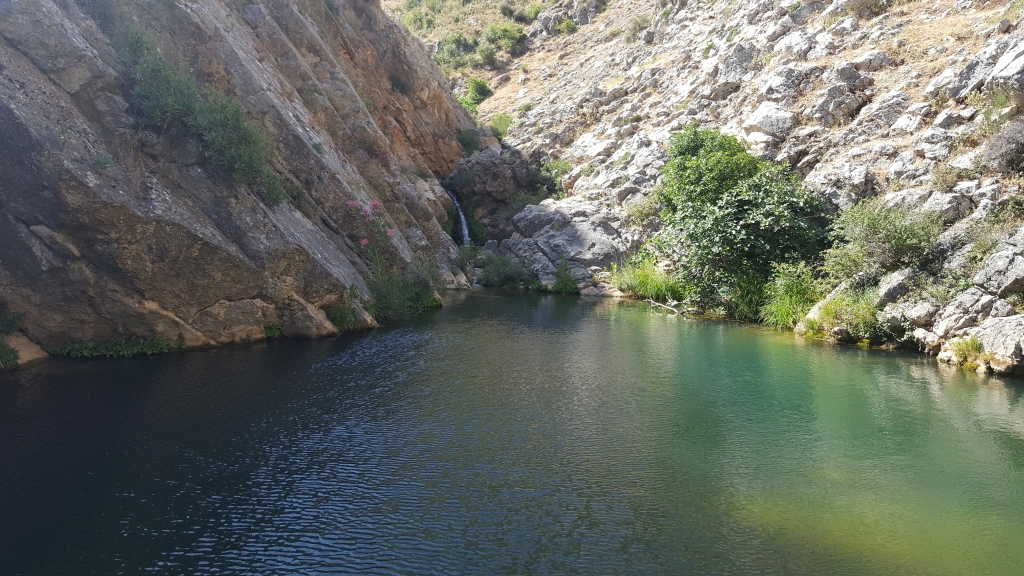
(396, 293)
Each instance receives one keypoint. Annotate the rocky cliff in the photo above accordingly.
(863, 99)
(111, 229)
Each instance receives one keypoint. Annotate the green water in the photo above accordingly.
(512, 434)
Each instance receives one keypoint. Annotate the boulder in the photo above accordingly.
(1007, 75)
(1002, 273)
(895, 286)
(771, 119)
(1003, 339)
(922, 313)
(845, 183)
(871, 61)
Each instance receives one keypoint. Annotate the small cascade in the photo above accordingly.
(462, 219)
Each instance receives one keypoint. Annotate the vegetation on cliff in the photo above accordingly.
(9, 324)
(729, 220)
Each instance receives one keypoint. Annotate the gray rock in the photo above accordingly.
(771, 119)
(534, 217)
(1002, 273)
(1007, 75)
(922, 313)
(844, 183)
(1003, 339)
(945, 78)
(952, 206)
(895, 286)
(871, 61)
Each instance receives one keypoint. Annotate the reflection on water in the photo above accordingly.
(514, 435)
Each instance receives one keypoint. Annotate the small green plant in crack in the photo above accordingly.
(101, 162)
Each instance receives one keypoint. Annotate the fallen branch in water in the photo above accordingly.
(666, 306)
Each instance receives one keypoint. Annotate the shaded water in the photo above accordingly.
(514, 435)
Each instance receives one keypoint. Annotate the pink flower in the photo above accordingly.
(364, 241)
(368, 219)
(387, 221)
(353, 203)
(391, 232)
(376, 205)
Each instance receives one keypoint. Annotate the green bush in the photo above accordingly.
(469, 139)
(564, 282)
(272, 331)
(343, 317)
(968, 351)
(790, 294)
(873, 239)
(468, 104)
(121, 347)
(533, 11)
(488, 55)
(730, 217)
(8, 356)
(555, 170)
(9, 321)
(508, 36)
(567, 26)
(401, 294)
(637, 25)
(503, 272)
(229, 141)
(500, 124)
(854, 311)
(167, 97)
(477, 90)
(521, 198)
(457, 52)
(641, 278)
(467, 255)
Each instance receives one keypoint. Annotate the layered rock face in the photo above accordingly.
(110, 230)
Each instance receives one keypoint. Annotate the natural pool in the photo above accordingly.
(514, 434)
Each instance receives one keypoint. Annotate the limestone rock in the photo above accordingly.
(771, 119)
(1003, 339)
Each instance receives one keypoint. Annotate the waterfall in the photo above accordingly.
(462, 219)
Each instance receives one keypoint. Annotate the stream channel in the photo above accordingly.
(514, 434)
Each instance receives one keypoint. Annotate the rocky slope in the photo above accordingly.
(864, 99)
(109, 230)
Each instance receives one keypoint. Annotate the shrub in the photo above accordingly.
(614, 32)
(467, 255)
(488, 55)
(1005, 151)
(457, 52)
(163, 96)
(566, 26)
(968, 351)
(343, 317)
(564, 282)
(521, 198)
(525, 107)
(503, 272)
(272, 331)
(500, 124)
(231, 142)
(477, 90)
(508, 36)
(945, 177)
(166, 97)
(533, 11)
(507, 11)
(468, 104)
(854, 311)
(641, 278)
(9, 321)
(730, 217)
(9, 357)
(636, 25)
(555, 170)
(872, 239)
(101, 162)
(121, 347)
(399, 295)
(469, 139)
(790, 294)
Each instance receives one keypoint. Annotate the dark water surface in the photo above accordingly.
(513, 435)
